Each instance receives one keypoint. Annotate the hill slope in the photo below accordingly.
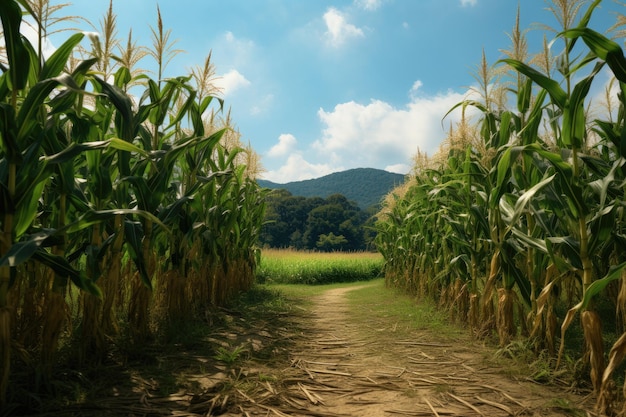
(365, 186)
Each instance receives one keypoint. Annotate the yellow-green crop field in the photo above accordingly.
(296, 267)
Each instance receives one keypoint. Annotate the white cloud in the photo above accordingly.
(415, 88)
(371, 135)
(230, 82)
(385, 136)
(286, 144)
(369, 4)
(338, 30)
(296, 168)
(398, 168)
(470, 3)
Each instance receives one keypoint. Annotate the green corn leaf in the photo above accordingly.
(28, 208)
(142, 191)
(506, 128)
(560, 263)
(601, 227)
(123, 104)
(566, 180)
(122, 145)
(55, 64)
(173, 211)
(73, 150)
(100, 183)
(206, 101)
(98, 216)
(8, 133)
(184, 109)
(608, 131)
(122, 77)
(529, 241)
(505, 160)
(569, 248)
(524, 95)
(62, 267)
(529, 131)
(133, 232)
(604, 48)
(27, 117)
(23, 251)
(16, 53)
(615, 272)
(574, 120)
(524, 199)
(602, 185)
(558, 95)
(584, 21)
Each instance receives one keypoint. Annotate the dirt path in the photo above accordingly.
(335, 359)
(343, 369)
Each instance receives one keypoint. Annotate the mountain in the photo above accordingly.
(365, 186)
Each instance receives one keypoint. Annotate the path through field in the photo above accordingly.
(345, 368)
(336, 358)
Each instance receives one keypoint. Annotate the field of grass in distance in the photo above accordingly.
(286, 266)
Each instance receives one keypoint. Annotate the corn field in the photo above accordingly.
(517, 226)
(126, 200)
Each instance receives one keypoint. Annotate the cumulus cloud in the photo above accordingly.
(338, 30)
(398, 168)
(286, 144)
(386, 136)
(369, 4)
(470, 3)
(296, 168)
(375, 134)
(415, 88)
(230, 82)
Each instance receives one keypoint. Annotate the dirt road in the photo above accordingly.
(334, 358)
(345, 368)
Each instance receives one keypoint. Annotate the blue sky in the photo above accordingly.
(319, 86)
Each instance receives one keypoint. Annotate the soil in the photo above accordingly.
(333, 361)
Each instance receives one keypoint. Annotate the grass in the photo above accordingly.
(294, 267)
(407, 313)
(300, 295)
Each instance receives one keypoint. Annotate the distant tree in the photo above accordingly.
(299, 222)
(338, 216)
(331, 242)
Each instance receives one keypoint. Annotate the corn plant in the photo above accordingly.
(91, 178)
(551, 182)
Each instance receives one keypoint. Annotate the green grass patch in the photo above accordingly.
(302, 293)
(294, 267)
(402, 312)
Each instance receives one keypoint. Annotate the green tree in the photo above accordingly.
(331, 242)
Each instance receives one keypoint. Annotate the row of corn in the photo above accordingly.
(518, 224)
(126, 201)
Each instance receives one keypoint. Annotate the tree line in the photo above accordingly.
(325, 224)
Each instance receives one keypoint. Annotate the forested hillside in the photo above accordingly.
(365, 186)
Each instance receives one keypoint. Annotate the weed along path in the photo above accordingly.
(354, 359)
